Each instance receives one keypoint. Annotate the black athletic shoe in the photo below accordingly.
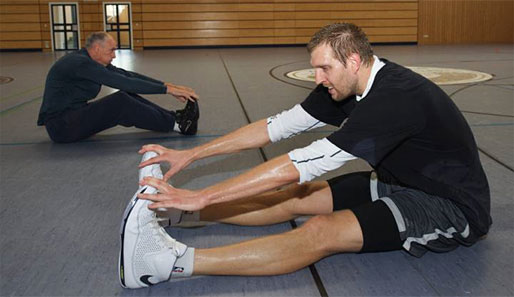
(187, 118)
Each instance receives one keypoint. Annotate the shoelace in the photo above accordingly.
(164, 240)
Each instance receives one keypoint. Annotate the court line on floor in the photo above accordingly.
(503, 87)
(2, 112)
(111, 140)
(492, 125)
(181, 137)
(495, 159)
(312, 268)
(20, 93)
(270, 72)
(478, 147)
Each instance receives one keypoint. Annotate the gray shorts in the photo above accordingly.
(411, 219)
(425, 222)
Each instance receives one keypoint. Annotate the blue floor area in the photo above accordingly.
(61, 205)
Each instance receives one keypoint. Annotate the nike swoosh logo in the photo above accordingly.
(145, 279)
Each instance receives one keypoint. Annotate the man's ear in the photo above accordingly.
(96, 47)
(355, 62)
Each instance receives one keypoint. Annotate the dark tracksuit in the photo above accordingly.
(76, 78)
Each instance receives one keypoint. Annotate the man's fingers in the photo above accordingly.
(150, 161)
(152, 197)
(186, 95)
(159, 184)
(181, 99)
(151, 147)
(195, 96)
(157, 205)
(185, 88)
(155, 148)
(190, 94)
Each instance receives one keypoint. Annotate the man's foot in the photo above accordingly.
(187, 118)
(147, 252)
(167, 217)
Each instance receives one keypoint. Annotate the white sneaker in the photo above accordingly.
(150, 170)
(147, 252)
(166, 217)
(171, 217)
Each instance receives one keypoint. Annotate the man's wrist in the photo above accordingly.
(194, 154)
(206, 196)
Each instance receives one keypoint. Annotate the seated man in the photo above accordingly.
(77, 78)
(427, 192)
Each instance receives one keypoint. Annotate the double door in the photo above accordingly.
(65, 28)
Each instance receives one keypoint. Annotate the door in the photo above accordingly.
(117, 19)
(64, 22)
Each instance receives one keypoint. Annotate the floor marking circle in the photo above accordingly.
(5, 80)
(440, 76)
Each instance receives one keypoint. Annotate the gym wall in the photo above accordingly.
(25, 24)
(465, 21)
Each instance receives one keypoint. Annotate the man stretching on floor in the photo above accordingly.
(77, 78)
(428, 190)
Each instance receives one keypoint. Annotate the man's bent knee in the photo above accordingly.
(309, 199)
(335, 233)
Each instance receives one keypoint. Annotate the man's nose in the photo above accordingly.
(318, 76)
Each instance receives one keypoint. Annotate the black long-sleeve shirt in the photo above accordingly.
(76, 78)
(409, 130)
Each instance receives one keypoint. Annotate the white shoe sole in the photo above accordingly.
(127, 277)
(153, 170)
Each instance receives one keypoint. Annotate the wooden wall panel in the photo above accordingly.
(25, 24)
(20, 26)
(161, 23)
(137, 28)
(90, 20)
(242, 22)
(466, 21)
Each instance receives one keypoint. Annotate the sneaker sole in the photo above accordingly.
(127, 278)
(195, 110)
(150, 170)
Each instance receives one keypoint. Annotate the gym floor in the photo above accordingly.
(61, 204)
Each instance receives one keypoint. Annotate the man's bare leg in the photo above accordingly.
(273, 207)
(319, 237)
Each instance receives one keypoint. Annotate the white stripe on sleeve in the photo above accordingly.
(290, 123)
(318, 158)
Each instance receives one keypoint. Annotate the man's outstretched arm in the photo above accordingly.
(250, 136)
(269, 175)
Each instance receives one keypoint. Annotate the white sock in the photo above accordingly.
(184, 265)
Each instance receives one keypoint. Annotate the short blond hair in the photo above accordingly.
(344, 39)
